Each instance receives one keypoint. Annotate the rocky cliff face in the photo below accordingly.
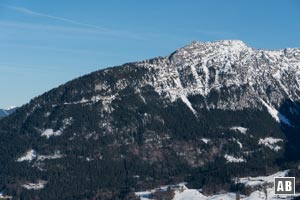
(204, 114)
(255, 77)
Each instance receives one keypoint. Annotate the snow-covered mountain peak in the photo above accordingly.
(219, 51)
(218, 43)
(234, 48)
(221, 45)
(223, 67)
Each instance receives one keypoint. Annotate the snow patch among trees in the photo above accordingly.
(49, 132)
(232, 159)
(29, 156)
(35, 186)
(56, 155)
(205, 140)
(271, 143)
(276, 114)
(188, 103)
(240, 129)
(260, 180)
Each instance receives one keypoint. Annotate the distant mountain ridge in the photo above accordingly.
(8, 111)
(206, 114)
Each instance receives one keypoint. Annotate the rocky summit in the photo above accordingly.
(206, 114)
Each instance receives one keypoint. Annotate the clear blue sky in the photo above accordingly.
(46, 43)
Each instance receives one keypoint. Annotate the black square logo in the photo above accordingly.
(285, 185)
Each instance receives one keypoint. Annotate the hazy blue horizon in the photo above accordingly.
(45, 44)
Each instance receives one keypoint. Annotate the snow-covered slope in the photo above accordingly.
(264, 190)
